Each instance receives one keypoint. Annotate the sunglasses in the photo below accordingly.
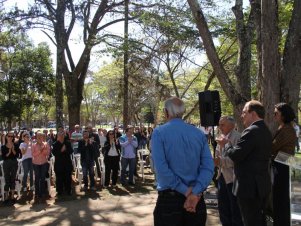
(10, 136)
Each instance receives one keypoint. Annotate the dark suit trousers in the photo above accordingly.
(252, 211)
(63, 181)
(281, 199)
(229, 212)
(169, 211)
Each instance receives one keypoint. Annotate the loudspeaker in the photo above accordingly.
(210, 107)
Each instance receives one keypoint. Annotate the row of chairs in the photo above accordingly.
(142, 155)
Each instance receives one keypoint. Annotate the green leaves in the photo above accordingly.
(27, 74)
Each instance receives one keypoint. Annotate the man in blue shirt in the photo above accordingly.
(128, 143)
(184, 168)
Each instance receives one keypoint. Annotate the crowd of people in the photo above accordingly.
(248, 175)
(33, 152)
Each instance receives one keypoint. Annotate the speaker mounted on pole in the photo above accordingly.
(210, 107)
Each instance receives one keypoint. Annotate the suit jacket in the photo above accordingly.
(251, 157)
(63, 160)
(226, 166)
(87, 153)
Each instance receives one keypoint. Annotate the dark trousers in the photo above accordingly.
(88, 168)
(229, 212)
(10, 167)
(111, 165)
(40, 175)
(63, 181)
(281, 199)
(169, 211)
(252, 211)
(28, 168)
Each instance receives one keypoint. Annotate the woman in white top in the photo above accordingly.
(26, 151)
(111, 151)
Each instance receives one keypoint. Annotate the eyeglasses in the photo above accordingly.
(10, 136)
(111, 133)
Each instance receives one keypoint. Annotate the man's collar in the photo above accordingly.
(256, 121)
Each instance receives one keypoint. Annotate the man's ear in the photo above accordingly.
(166, 113)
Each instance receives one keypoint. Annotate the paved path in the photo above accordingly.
(110, 210)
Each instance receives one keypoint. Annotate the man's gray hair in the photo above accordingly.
(228, 118)
(175, 107)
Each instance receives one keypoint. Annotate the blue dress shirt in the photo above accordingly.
(182, 157)
(128, 148)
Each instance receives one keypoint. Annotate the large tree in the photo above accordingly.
(27, 75)
(263, 16)
(58, 20)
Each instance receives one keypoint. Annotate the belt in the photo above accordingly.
(170, 192)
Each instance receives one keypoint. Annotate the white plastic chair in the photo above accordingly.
(102, 169)
(19, 177)
(2, 180)
(51, 174)
(73, 161)
(141, 161)
(78, 169)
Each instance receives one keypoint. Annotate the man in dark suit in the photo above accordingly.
(251, 156)
(95, 138)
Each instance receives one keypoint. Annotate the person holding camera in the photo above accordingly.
(86, 148)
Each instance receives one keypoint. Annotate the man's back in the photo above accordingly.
(184, 168)
(185, 148)
(251, 162)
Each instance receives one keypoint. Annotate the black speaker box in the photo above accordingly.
(210, 107)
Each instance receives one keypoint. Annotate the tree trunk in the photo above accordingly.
(270, 89)
(291, 64)
(59, 94)
(244, 37)
(126, 67)
(60, 48)
(256, 5)
(236, 98)
(74, 113)
(74, 89)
